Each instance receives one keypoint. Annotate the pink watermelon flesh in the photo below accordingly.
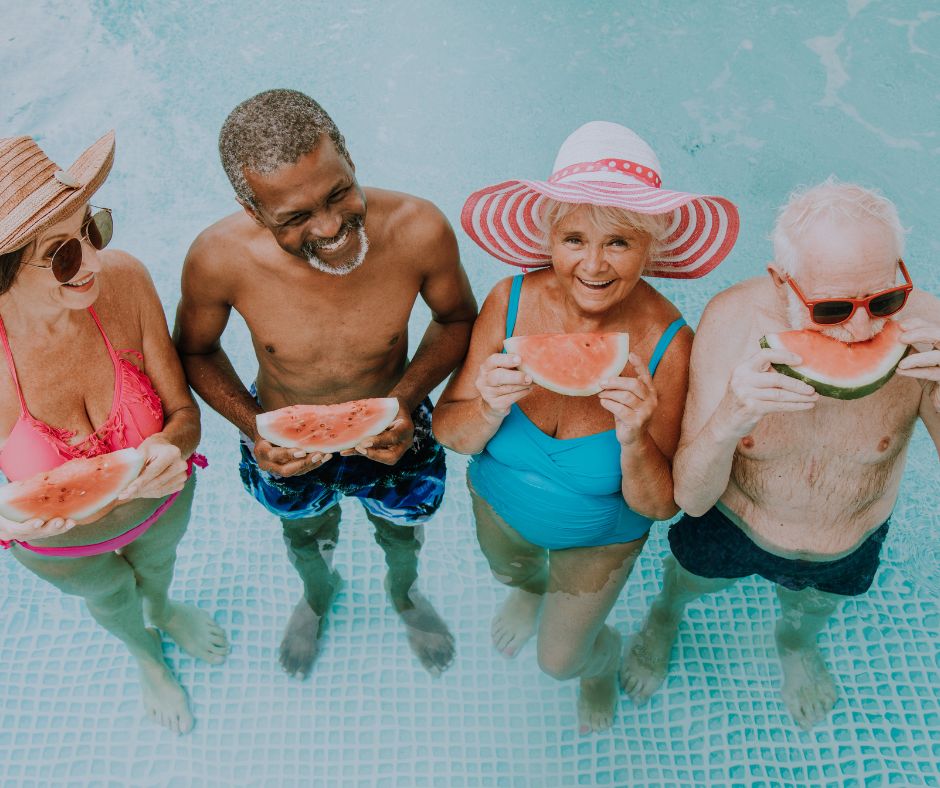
(843, 370)
(571, 364)
(327, 428)
(76, 489)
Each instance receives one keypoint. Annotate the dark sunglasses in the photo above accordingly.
(66, 260)
(832, 311)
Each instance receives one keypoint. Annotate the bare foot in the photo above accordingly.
(808, 688)
(428, 635)
(515, 622)
(194, 631)
(301, 643)
(647, 659)
(597, 701)
(164, 699)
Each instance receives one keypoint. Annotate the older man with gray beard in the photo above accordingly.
(327, 288)
(775, 479)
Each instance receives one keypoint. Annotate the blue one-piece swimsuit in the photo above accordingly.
(558, 493)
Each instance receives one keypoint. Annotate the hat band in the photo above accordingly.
(648, 175)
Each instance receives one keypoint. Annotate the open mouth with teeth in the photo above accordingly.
(80, 284)
(596, 284)
(334, 245)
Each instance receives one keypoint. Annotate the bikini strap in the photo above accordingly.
(667, 337)
(107, 342)
(12, 367)
(513, 307)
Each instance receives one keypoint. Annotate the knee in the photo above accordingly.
(395, 538)
(559, 660)
(116, 593)
(317, 533)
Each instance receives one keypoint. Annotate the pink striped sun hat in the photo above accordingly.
(607, 164)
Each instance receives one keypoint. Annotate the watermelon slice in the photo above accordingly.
(843, 370)
(77, 489)
(327, 428)
(571, 364)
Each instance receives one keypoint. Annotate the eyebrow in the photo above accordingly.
(42, 245)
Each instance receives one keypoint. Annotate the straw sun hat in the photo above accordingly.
(603, 164)
(35, 192)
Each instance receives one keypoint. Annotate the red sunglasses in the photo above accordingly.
(833, 311)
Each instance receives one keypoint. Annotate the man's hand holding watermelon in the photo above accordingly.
(756, 389)
(924, 337)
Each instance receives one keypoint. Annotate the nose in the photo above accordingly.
(324, 226)
(860, 325)
(593, 260)
(90, 259)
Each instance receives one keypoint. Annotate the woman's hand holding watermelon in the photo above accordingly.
(923, 364)
(633, 402)
(757, 389)
(164, 470)
(34, 529)
(501, 383)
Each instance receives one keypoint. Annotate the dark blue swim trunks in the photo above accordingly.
(714, 546)
(406, 493)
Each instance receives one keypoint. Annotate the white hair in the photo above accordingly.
(831, 199)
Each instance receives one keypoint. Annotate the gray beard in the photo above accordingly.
(350, 265)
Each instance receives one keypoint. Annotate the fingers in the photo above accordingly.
(501, 360)
(299, 466)
(924, 366)
(762, 360)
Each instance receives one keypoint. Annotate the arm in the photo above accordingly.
(201, 317)
(479, 395)
(647, 417)
(726, 401)
(446, 290)
(924, 364)
(165, 468)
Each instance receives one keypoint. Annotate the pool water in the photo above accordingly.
(743, 99)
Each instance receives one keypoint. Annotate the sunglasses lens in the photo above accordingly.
(888, 303)
(99, 229)
(67, 260)
(828, 313)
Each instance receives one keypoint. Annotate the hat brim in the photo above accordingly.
(504, 221)
(54, 201)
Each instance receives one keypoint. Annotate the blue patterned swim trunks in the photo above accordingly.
(406, 493)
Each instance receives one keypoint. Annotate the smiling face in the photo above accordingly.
(314, 208)
(39, 283)
(842, 258)
(598, 264)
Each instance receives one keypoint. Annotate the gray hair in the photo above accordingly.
(607, 219)
(274, 128)
(831, 198)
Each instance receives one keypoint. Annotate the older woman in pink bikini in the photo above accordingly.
(65, 307)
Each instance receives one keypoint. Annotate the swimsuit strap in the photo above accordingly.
(660, 349)
(115, 362)
(513, 307)
(12, 367)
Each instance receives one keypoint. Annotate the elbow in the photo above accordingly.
(689, 503)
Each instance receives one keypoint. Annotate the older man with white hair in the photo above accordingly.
(776, 479)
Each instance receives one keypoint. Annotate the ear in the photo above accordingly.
(251, 211)
(777, 274)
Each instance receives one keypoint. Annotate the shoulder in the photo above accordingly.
(225, 240)
(497, 300)
(923, 305)
(738, 303)
(124, 275)
(413, 221)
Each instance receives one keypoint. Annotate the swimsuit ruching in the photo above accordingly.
(34, 446)
(558, 493)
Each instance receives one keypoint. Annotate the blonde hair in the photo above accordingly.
(606, 219)
(831, 199)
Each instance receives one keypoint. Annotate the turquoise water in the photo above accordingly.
(742, 99)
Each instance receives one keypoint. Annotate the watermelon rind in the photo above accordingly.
(69, 475)
(267, 425)
(544, 378)
(831, 388)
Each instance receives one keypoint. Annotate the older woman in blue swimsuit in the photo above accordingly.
(565, 489)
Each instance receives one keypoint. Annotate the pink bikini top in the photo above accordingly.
(136, 413)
